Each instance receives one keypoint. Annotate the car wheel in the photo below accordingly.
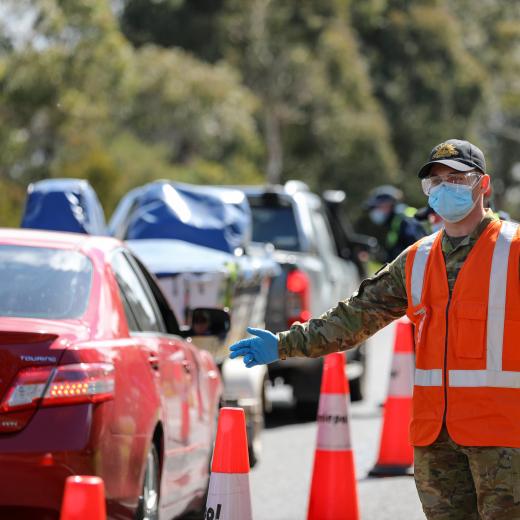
(306, 410)
(148, 508)
(267, 406)
(356, 389)
(254, 448)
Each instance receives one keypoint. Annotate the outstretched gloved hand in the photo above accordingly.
(260, 350)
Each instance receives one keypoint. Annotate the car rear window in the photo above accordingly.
(275, 224)
(38, 282)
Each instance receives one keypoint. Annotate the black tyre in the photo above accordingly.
(357, 358)
(306, 410)
(356, 389)
(148, 508)
(254, 448)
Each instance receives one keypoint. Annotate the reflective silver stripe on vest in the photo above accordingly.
(428, 377)
(419, 267)
(493, 376)
(497, 296)
(423, 377)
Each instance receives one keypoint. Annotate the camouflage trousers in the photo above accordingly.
(467, 483)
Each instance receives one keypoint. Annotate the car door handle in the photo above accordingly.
(154, 361)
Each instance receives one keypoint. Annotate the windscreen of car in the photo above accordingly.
(275, 224)
(39, 282)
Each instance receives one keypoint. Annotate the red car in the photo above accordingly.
(96, 379)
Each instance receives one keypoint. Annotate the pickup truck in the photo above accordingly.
(318, 269)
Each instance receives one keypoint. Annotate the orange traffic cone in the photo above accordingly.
(228, 496)
(84, 499)
(395, 451)
(333, 489)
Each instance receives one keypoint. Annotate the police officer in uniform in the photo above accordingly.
(397, 227)
(461, 289)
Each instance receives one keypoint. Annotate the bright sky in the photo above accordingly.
(16, 24)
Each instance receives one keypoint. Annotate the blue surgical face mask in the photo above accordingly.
(452, 202)
(378, 216)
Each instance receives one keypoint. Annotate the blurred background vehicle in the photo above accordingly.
(350, 245)
(64, 205)
(193, 239)
(97, 378)
(314, 276)
(196, 239)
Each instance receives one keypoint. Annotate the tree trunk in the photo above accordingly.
(274, 147)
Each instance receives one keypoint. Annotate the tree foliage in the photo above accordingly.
(428, 83)
(492, 35)
(78, 100)
(319, 119)
(339, 93)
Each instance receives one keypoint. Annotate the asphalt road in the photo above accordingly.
(280, 482)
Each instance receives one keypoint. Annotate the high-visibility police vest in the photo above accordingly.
(467, 346)
(392, 236)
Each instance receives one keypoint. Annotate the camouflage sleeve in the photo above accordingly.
(378, 301)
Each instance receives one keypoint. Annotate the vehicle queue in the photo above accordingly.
(115, 347)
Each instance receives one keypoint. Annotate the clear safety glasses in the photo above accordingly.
(456, 179)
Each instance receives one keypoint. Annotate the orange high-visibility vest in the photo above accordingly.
(468, 346)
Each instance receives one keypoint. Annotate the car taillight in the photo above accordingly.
(28, 387)
(297, 297)
(66, 384)
(92, 382)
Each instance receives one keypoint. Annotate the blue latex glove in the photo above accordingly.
(260, 350)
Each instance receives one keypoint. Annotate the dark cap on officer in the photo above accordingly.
(457, 154)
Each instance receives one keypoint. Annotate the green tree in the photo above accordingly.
(174, 23)
(78, 100)
(492, 35)
(429, 85)
(63, 82)
(319, 119)
(198, 110)
(11, 203)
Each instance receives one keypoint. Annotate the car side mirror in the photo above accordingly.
(209, 322)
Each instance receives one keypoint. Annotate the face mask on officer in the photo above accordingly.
(451, 197)
(378, 216)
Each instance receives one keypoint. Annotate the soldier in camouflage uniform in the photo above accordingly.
(453, 481)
